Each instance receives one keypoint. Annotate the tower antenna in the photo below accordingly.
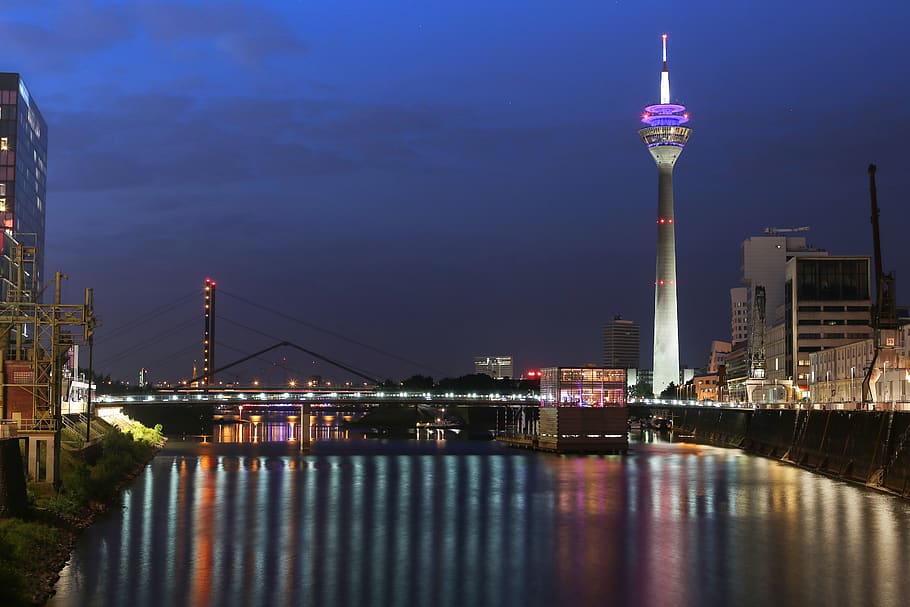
(665, 77)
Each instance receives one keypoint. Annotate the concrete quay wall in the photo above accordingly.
(868, 447)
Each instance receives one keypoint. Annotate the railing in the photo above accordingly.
(40, 423)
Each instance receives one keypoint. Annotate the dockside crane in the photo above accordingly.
(884, 310)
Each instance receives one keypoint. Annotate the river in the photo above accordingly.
(412, 523)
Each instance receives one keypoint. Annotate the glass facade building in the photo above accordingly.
(828, 304)
(582, 387)
(23, 174)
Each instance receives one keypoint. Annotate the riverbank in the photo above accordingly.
(34, 548)
(869, 448)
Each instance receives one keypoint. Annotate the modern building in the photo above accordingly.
(23, 174)
(582, 409)
(622, 344)
(827, 305)
(665, 137)
(497, 367)
(582, 387)
(739, 314)
(718, 358)
(635, 377)
(764, 264)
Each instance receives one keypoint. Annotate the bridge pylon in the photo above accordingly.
(208, 336)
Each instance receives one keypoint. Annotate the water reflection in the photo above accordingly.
(476, 524)
(280, 428)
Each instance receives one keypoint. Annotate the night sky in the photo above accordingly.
(439, 180)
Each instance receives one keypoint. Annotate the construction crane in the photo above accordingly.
(757, 337)
(884, 310)
(775, 231)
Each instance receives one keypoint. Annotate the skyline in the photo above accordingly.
(473, 172)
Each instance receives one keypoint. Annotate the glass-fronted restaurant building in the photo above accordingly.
(582, 387)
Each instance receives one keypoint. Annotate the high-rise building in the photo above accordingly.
(23, 171)
(764, 262)
(739, 314)
(665, 137)
(622, 344)
(828, 304)
(497, 367)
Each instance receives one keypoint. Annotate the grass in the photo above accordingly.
(32, 551)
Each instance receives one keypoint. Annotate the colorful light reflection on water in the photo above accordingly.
(461, 523)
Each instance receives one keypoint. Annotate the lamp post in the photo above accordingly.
(885, 380)
(852, 377)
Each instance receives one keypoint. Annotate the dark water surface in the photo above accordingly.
(368, 522)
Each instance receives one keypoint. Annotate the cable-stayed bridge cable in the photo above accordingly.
(334, 334)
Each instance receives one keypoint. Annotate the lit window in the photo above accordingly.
(2, 205)
(4, 144)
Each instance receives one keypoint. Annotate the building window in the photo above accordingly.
(4, 144)
(2, 189)
(2, 205)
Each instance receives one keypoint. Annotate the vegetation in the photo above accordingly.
(670, 391)
(32, 551)
(642, 390)
(23, 558)
(478, 383)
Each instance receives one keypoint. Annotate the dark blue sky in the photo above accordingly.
(444, 179)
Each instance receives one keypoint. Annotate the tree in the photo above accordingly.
(669, 391)
(643, 390)
(418, 382)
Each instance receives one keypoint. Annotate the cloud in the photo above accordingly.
(246, 32)
(63, 32)
(65, 27)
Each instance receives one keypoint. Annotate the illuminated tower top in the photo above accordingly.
(665, 119)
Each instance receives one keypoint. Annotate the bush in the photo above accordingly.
(24, 549)
(98, 481)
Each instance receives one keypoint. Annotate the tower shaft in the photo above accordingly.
(666, 326)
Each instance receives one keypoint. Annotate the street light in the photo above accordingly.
(852, 376)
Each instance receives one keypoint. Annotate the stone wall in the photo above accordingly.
(869, 447)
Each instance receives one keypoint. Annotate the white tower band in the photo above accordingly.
(665, 137)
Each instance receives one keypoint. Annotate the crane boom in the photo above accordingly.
(884, 310)
(773, 231)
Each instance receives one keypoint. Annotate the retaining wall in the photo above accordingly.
(13, 500)
(869, 447)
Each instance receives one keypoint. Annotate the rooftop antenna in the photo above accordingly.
(665, 77)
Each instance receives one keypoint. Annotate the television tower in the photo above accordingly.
(665, 137)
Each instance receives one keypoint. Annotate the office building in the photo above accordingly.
(665, 137)
(23, 174)
(827, 305)
(497, 367)
(622, 344)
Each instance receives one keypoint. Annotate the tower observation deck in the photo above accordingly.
(665, 137)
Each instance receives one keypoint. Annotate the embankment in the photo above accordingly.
(868, 447)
